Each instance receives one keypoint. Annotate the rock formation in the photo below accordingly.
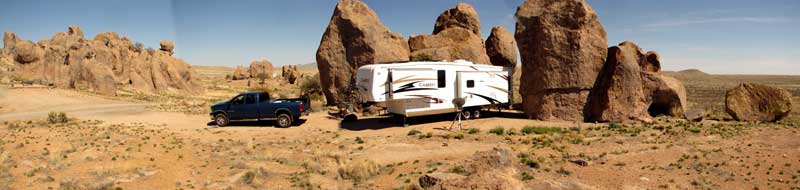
(104, 64)
(456, 36)
(501, 47)
(463, 16)
(290, 73)
(167, 46)
(627, 88)
(563, 46)
(354, 37)
(240, 73)
(754, 102)
(492, 169)
(260, 69)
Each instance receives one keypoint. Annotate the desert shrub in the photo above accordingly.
(414, 132)
(540, 130)
(525, 176)
(359, 170)
(511, 131)
(459, 136)
(57, 117)
(359, 140)
(497, 130)
(473, 130)
(312, 88)
(458, 170)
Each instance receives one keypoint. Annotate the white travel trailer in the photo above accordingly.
(426, 88)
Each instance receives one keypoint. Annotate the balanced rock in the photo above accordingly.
(355, 37)
(260, 69)
(501, 47)
(167, 45)
(104, 64)
(463, 15)
(456, 36)
(290, 73)
(755, 102)
(563, 47)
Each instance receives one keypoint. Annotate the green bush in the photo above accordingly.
(498, 130)
(57, 117)
(414, 132)
(473, 130)
(312, 88)
(540, 130)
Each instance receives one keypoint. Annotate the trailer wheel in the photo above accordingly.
(466, 114)
(476, 113)
(283, 121)
(221, 120)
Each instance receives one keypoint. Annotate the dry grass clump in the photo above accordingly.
(57, 117)
(359, 170)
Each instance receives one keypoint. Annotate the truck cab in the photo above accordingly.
(259, 106)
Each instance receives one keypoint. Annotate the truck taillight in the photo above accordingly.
(302, 107)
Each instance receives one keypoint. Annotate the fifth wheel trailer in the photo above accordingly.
(426, 88)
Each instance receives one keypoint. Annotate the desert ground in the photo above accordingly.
(166, 142)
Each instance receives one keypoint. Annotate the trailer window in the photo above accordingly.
(441, 78)
(470, 83)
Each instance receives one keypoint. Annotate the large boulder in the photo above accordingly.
(290, 73)
(104, 64)
(240, 73)
(755, 102)
(354, 37)
(501, 47)
(463, 16)
(492, 169)
(617, 94)
(167, 45)
(456, 35)
(451, 44)
(260, 69)
(627, 89)
(10, 39)
(563, 47)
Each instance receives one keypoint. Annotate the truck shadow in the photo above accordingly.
(385, 121)
(256, 124)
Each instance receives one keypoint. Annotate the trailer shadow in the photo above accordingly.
(255, 124)
(384, 122)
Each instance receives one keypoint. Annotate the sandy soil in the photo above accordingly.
(121, 144)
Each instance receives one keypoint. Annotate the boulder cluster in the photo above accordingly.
(105, 64)
(256, 70)
(355, 37)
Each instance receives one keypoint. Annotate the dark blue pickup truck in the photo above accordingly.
(258, 106)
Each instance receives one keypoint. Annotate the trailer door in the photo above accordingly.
(411, 83)
(480, 88)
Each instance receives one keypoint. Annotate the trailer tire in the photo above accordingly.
(466, 114)
(476, 113)
(221, 120)
(283, 120)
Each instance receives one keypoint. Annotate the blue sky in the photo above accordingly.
(716, 36)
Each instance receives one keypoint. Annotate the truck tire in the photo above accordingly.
(283, 120)
(221, 120)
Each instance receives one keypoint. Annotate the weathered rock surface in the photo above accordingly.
(104, 65)
(431, 179)
(451, 44)
(625, 90)
(463, 15)
(501, 47)
(290, 73)
(354, 37)
(755, 102)
(260, 69)
(563, 47)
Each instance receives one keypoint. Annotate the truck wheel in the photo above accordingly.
(221, 120)
(283, 121)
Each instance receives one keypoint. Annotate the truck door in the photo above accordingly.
(248, 110)
(266, 109)
(412, 84)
